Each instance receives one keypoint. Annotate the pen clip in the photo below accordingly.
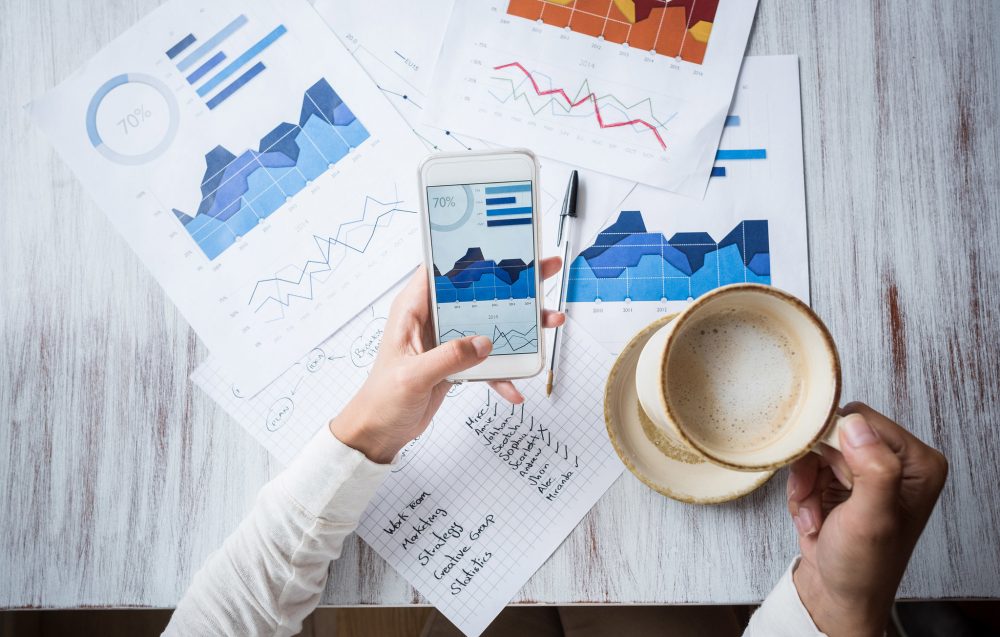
(568, 205)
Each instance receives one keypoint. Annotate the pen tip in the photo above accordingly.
(548, 385)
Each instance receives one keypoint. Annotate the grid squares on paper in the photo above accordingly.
(303, 399)
(470, 481)
(453, 463)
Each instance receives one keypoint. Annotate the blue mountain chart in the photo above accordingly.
(476, 278)
(240, 191)
(627, 262)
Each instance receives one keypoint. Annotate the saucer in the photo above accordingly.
(661, 463)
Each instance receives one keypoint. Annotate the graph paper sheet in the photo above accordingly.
(477, 503)
(486, 494)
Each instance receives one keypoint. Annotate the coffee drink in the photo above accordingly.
(747, 376)
(735, 379)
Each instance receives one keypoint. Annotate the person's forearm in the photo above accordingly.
(270, 572)
(840, 619)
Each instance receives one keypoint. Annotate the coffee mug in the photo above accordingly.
(747, 377)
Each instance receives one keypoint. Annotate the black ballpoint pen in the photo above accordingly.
(566, 219)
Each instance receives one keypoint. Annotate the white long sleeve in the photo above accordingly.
(269, 574)
(782, 614)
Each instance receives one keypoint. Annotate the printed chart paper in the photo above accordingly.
(638, 90)
(399, 52)
(252, 165)
(656, 251)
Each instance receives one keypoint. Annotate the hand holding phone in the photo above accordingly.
(407, 384)
(481, 247)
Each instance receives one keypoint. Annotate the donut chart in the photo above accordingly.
(132, 119)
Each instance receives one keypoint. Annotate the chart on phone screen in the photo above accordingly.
(253, 180)
(483, 247)
(638, 90)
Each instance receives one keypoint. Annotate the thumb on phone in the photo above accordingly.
(434, 365)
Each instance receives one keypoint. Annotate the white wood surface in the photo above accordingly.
(117, 477)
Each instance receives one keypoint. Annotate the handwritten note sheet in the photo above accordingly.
(479, 501)
(490, 490)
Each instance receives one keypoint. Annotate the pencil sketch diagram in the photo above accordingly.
(281, 410)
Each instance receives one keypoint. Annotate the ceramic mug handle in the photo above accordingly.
(831, 437)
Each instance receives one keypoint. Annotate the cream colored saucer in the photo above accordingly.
(662, 464)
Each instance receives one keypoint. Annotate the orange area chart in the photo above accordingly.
(674, 28)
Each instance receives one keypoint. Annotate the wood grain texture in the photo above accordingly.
(117, 477)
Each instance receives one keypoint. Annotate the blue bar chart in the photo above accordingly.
(741, 153)
(241, 61)
(514, 209)
(211, 43)
(222, 95)
(735, 154)
(200, 72)
(208, 79)
(179, 48)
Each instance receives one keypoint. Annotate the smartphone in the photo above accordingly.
(481, 224)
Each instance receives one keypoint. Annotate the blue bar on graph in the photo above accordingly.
(742, 153)
(178, 48)
(211, 43)
(206, 67)
(497, 212)
(732, 120)
(718, 171)
(238, 63)
(508, 222)
(496, 201)
(502, 190)
(235, 86)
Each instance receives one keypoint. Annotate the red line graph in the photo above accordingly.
(589, 97)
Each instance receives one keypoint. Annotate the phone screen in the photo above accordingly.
(483, 248)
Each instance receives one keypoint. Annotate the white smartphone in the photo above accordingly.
(481, 231)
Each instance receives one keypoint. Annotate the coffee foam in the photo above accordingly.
(735, 380)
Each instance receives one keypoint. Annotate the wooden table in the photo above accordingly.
(117, 477)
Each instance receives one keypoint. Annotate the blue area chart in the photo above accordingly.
(475, 278)
(626, 262)
(240, 191)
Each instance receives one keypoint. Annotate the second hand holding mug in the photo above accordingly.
(747, 377)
